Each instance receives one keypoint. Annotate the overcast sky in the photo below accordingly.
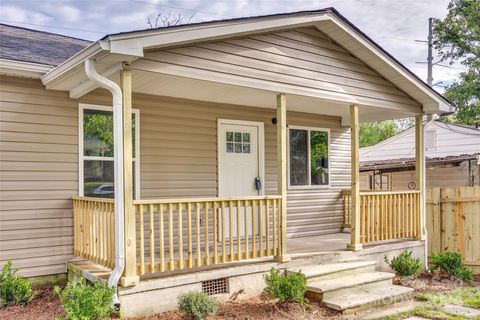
(394, 24)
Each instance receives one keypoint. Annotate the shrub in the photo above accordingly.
(82, 301)
(452, 264)
(14, 289)
(404, 264)
(286, 287)
(199, 305)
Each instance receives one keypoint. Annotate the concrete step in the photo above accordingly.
(319, 271)
(357, 299)
(337, 284)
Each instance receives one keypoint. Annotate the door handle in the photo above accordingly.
(258, 183)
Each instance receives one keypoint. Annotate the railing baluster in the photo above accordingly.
(205, 229)
(245, 227)
(180, 235)
(223, 232)
(142, 240)
(260, 228)
(215, 232)
(197, 225)
(230, 228)
(274, 223)
(170, 236)
(189, 235)
(152, 240)
(254, 253)
(239, 236)
(267, 227)
(161, 234)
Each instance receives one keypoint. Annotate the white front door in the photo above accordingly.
(240, 162)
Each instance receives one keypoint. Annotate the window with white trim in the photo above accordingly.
(96, 151)
(309, 151)
(430, 140)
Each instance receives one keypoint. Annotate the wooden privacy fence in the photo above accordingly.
(93, 230)
(453, 222)
(385, 215)
(181, 234)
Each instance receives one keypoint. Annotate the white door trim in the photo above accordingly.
(261, 150)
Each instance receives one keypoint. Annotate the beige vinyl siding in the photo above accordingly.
(178, 152)
(38, 176)
(303, 59)
(178, 156)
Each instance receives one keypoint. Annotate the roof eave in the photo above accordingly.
(23, 69)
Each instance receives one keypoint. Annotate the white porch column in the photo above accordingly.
(420, 174)
(282, 173)
(355, 244)
(130, 276)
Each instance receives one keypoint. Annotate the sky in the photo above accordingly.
(396, 25)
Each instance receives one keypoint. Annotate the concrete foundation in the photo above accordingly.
(159, 292)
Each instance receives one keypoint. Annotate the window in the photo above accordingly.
(96, 151)
(309, 157)
(430, 139)
(237, 142)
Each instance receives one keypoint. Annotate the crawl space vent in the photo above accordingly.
(215, 286)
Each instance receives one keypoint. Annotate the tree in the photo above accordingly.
(168, 20)
(457, 38)
(373, 132)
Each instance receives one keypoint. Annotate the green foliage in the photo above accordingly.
(14, 289)
(456, 37)
(452, 264)
(286, 287)
(404, 264)
(82, 301)
(373, 132)
(199, 305)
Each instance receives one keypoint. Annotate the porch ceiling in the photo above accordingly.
(210, 91)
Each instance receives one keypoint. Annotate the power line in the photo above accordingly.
(50, 26)
(179, 8)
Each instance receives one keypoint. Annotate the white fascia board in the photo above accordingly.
(23, 69)
(438, 105)
(91, 51)
(136, 42)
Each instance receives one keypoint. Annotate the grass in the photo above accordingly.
(468, 297)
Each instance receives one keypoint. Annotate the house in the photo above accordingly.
(452, 154)
(199, 156)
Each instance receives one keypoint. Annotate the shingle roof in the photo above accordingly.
(21, 44)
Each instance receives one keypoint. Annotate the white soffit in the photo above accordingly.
(23, 69)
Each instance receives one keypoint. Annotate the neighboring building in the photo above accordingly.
(234, 142)
(452, 154)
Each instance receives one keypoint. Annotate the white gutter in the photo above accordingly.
(92, 74)
(23, 69)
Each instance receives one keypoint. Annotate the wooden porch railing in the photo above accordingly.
(385, 215)
(181, 234)
(93, 230)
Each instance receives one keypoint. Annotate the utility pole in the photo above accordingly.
(430, 47)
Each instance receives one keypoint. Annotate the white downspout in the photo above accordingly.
(93, 75)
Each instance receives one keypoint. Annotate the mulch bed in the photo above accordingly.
(435, 282)
(46, 306)
(258, 308)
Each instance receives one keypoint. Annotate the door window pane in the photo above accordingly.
(298, 157)
(319, 157)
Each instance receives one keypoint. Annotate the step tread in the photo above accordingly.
(360, 297)
(315, 270)
(347, 281)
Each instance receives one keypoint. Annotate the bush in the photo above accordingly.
(199, 305)
(14, 289)
(82, 301)
(404, 265)
(452, 264)
(286, 287)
